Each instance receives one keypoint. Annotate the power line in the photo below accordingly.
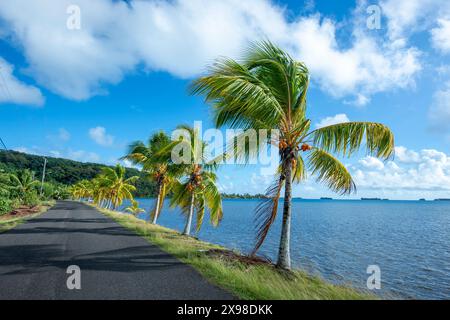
(3, 144)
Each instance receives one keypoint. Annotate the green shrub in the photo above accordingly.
(6, 205)
(53, 191)
(30, 198)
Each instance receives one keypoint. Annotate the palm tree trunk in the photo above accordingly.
(284, 257)
(187, 228)
(155, 216)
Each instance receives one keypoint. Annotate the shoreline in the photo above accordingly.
(253, 281)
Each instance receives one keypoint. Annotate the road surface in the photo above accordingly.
(114, 262)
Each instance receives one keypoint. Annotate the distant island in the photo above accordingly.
(442, 199)
(372, 199)
(242, 196)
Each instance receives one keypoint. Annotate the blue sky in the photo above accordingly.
(86, 93)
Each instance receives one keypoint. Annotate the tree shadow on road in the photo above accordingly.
(23, 259)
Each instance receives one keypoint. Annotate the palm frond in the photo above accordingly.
(331, 171)
(200, 206)
(299, 170)
(212, 197)
(346, 138)
(266, 212)
(237, 95)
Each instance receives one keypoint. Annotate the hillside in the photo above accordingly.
(65, 171)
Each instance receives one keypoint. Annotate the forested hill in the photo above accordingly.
(65, 171)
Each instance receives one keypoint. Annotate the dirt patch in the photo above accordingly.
(22, 211)
(233, 256)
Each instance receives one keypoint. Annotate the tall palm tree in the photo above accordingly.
(198, 189)
(161, 172)
(268, 90)
(120, 187)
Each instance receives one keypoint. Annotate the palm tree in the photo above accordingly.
(82, 189)
(267, 90)
(120, 187)
(198, 189)
(101, 191)
(161, 172)
(23, 183)
(134, 209)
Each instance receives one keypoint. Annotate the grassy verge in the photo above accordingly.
(245, 281)
(7, 223)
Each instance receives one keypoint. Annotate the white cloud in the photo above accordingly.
(183, 36)
(403, 15)
(368, 66)
(328, 121)
(12, 90)
(22, 149)
(439, 112)
(83, 156)
(402, 154)
(371, 163)
(55, 153)
(411, 175)
(99, 135)
(441, 36)
(429, 172)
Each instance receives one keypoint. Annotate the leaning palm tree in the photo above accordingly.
(161, 172)
(198, 189)
(120, 187)
(81, 190)
(102, 191)
(268, 90)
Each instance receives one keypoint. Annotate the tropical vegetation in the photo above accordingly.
(108, 190)
(65, 172)
(192, 184)
(134, 209)
(197, 190)
(162, 173)
(267, 90)
(21, 188)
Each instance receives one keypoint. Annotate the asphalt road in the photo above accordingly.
(114, 262)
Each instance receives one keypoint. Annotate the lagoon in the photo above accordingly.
(339, 239)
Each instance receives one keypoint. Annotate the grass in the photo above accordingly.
(7, 223)
(253, 282)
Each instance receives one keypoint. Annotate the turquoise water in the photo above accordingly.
(408, 240)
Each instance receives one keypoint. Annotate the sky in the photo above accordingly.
(82, 79)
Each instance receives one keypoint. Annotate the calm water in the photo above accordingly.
(408, 240)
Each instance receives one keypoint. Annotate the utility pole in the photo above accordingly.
(43, 175)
